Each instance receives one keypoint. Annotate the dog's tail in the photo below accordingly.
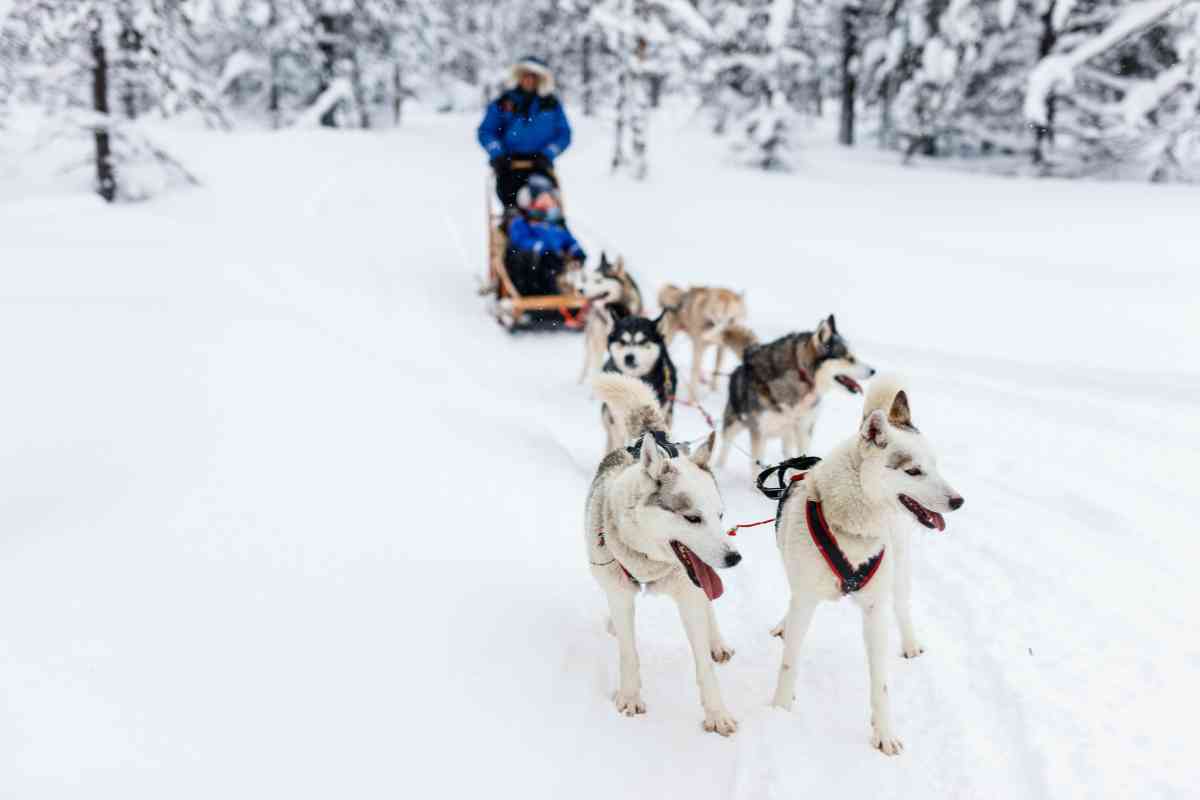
(882, 393)
(670, 296)
(632, 402)
(739, 339)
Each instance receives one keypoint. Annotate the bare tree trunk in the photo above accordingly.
(586, 76)
(130, 43)
(618, 158)
(273, 94)
(106, 183)
(360, 94)
(655, 84)
(397, 93)
(638, 113)
(328, 46)
(1044, 134)
(849, 79)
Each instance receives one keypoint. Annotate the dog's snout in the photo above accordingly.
(630, 361)
(956, 503)
(871, 372)
(733, 559)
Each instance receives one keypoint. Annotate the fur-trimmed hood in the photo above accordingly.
(537, 67)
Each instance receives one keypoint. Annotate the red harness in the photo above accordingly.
(852, 578)
(628, 574)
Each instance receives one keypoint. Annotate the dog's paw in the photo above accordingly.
(629, 704)
(911, 649)
(783, 703)
(887, 743)
(720, 722)
(721, 652)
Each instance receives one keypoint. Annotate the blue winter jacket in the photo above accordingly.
(538, 237)
(518, 122)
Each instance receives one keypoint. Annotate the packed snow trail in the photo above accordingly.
(287, 514)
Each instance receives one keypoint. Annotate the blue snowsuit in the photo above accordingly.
(539, 237)
(534, 257)
(522, 123)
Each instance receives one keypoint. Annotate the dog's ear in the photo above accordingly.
(607, 317)
(603, 261)
(702, 455)
(662, 324)
(874, 429)
(653, 461)
(826, 330)
(899, 414)
(619, 267)
(616, 311)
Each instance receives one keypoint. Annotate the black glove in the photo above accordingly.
(542, 164)
(500, 163)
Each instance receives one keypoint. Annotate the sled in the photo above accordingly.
(513, 310)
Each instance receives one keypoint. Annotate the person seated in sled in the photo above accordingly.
(539, 243)
(524, 129)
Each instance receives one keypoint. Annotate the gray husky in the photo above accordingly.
(776, 390)
(653, 522)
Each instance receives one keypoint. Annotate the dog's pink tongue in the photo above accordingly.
(939, 521)
(710, 581)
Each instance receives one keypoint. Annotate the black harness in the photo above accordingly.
(852, 578)
(660, 438)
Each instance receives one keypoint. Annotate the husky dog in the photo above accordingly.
(844, 530)
(703, 313)
(636, 349)
(611, 293)
(653, 521)
(776, 390)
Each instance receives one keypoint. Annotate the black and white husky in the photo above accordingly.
(653, 520)
(636, 349)
(844, 530)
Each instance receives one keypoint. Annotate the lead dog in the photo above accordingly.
(703, 313)
(776, 390)
(653, 521)
(844, 530)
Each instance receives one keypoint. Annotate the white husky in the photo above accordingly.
(653, 521)
(844, 529)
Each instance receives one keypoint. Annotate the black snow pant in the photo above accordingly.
(510, 181)
(532, 274)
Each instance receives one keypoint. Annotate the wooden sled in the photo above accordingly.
(514, 310)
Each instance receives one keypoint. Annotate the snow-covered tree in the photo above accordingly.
(1118, 88)
(94, 66)
(643, 35)
(758, 73)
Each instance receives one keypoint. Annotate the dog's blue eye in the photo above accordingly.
(915, 472)
(693, 518)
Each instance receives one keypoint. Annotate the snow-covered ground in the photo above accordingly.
(285, 514)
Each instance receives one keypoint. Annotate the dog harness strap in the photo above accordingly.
(802, 463)
(660, 438)
(666, 393)
(851, 579)
(804, 376)
(600, 544)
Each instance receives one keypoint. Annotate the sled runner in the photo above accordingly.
(512, 309)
